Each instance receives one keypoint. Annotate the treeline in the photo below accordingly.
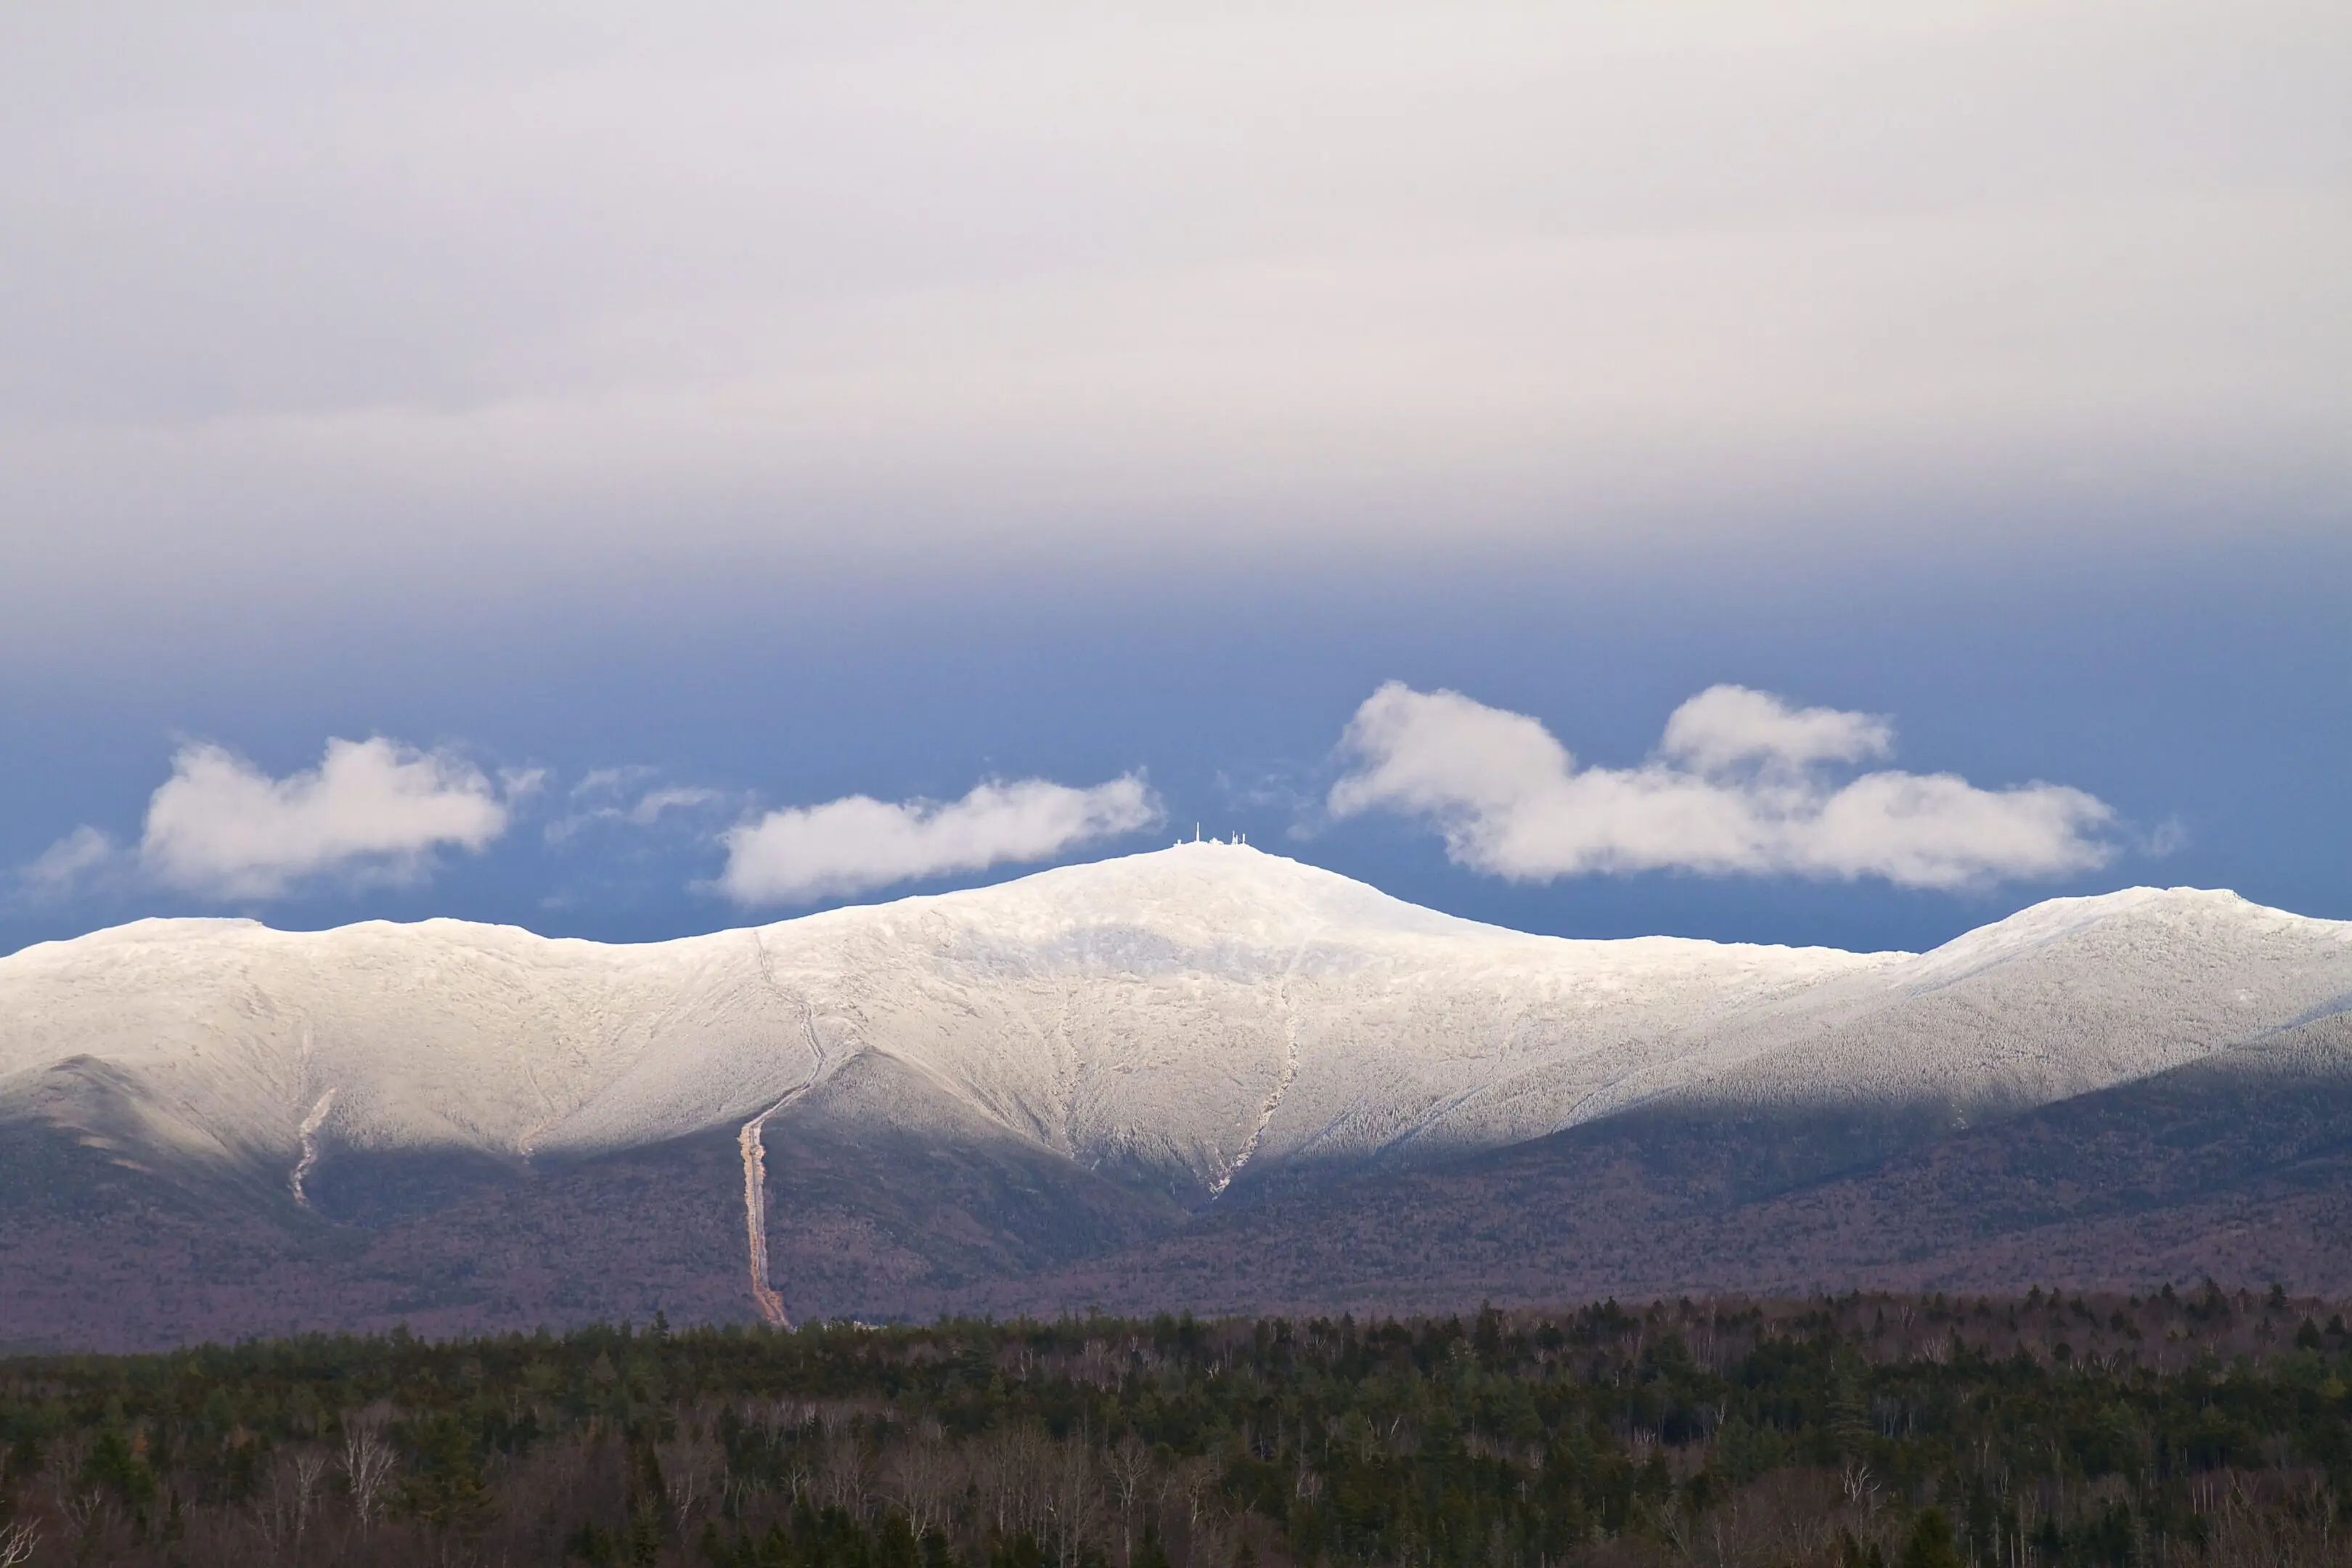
(1847, 1432)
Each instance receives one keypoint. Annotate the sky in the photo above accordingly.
(1815, 474)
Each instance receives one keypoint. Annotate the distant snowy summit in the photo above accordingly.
(1190, 1019)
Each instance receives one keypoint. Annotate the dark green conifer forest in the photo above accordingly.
(1848, 1432)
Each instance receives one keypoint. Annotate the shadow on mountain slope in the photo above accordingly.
(104, 1253)
(2240, 1166)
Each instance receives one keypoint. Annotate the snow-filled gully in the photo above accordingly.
(308, 1132)
(1282, 1085)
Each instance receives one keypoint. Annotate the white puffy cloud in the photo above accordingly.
(1737, 787)
(1727, 725)
(70, 863)
(221, 826)
(627, 797)
(849, 844)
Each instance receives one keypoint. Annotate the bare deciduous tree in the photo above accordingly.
(1209, 1544)
(367, 1463)
(1192, 1480)
(844, 1479)
(282, 1512)
(85, 1508)
(1009, 1468)
(920, 1477)
(1130, 1466)
(692, 1471)
(1073, 1500)
(304, 1469)
(16, 1542)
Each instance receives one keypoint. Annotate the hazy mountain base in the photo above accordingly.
(135, 1260)
(97, 1251)
(2239, 1166)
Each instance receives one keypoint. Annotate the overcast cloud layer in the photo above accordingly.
(469, 295)
(831, 404)
(1739, 785)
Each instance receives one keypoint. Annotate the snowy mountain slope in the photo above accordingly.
(2065, 998)
(437, 1035)
(1183, 1019)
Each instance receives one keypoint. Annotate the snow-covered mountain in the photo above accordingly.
(1207, 1076)
(1186, 1018)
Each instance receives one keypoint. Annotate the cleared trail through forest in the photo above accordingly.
(755, 1208)
(753, 1143)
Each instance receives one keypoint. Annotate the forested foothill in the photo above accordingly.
(1859, 1431)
